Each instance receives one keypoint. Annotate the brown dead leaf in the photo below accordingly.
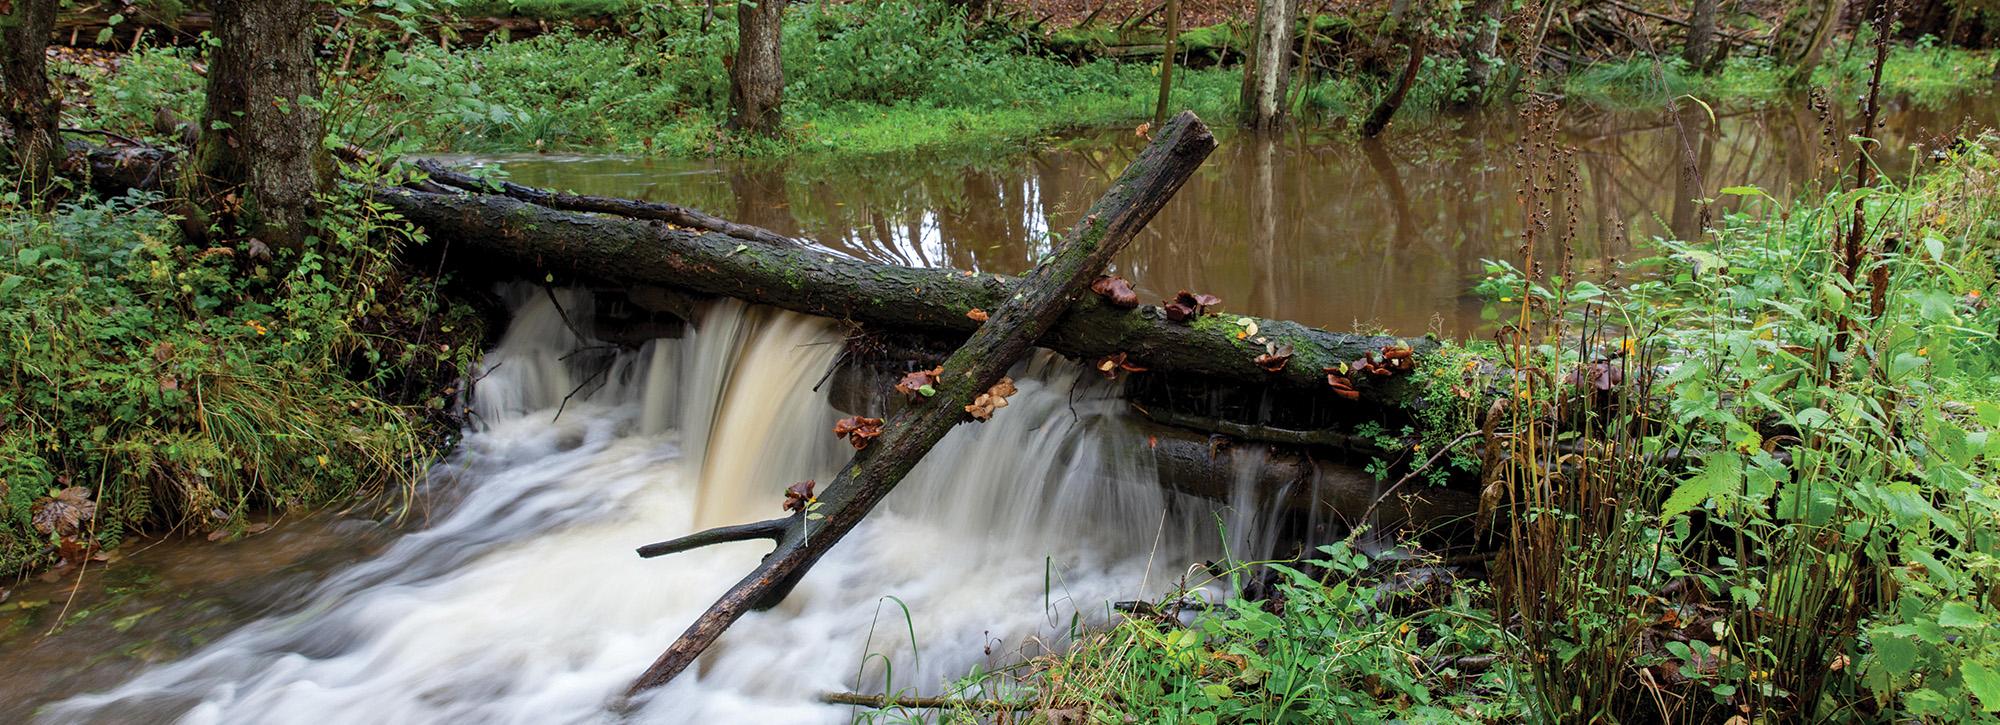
(858, 431)
(1115, 290)
(976, 314)
(163, 352)
(64, 513)
(920, 384)
(169, 382)
(798, 495)
(1145, 130)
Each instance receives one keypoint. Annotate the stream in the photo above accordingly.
(510, 593)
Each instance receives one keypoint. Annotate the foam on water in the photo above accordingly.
(522, 600)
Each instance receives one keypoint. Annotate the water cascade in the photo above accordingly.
(521, 600)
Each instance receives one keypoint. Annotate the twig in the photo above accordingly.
(769, 529)
(930, 703)
(127, 140)
(1368, 514)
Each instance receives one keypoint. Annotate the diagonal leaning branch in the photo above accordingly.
(1037, 301)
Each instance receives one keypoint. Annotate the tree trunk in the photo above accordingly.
(1033, 306)
(1167, 62)
(1700, 50)
(31, 113)
(976, 11)
(1270, 57)
(1809, 56)
(1378, 120)
(261, 138)
(757, 76)
(1480, 49)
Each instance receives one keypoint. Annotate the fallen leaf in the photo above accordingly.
(65, 512)
(1115, 290)
(920, 384)
(1145, 130)
(163, 351)
(798, 495)
(976, 314)
(858, 431)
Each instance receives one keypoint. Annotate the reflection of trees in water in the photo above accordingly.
(1292, 225)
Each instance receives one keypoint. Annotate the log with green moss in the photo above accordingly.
(521, 238)
(514, 237)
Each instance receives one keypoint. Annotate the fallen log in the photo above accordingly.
(596, 241)
(520, 237)
(1030, 309)
(633, 208)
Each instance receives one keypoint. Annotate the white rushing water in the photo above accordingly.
(522, 600)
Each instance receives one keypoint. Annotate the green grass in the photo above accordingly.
(862, 79)
(547, 9)
(1928, 73)
(176, 386)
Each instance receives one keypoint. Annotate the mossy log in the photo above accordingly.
(511, 236)
(1029, 309)
(507, 235)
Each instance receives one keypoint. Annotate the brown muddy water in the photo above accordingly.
(511, 593)
(1309, 225)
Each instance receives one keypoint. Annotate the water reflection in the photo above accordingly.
(1304, 225)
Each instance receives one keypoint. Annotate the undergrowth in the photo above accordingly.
(153, 385)
(1738, 481)
(862, 78)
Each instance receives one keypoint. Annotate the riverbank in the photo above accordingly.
(1824, 557)
(897, 76)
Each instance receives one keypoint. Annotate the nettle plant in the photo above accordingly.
(1823, 544)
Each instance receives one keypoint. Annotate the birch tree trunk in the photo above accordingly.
(1263, 96)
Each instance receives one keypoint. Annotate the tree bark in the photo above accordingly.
(261, 137)
(25, 102)
(1809, 56)
(518, 238)
(1167, 62)
(757, 76)
(1263, 94)
(1036, 302)
(1480, 49)
(1378, 119)
(1700, 50)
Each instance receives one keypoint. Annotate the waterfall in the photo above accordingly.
(521, 599)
